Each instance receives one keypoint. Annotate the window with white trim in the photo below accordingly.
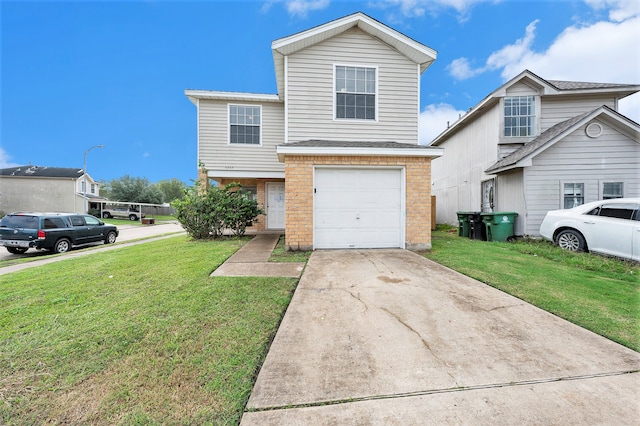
(355, 93)
(612, 190)
(573, 194)
(244, 124)
(519, 116)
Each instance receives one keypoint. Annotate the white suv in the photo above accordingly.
(121, 213)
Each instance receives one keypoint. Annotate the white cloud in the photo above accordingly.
(604, 52)
(300, 8)
(619, 10)
(5, 158)
(416, 8)
(434, 120)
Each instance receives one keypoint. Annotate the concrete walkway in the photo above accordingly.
(387, 337)
(252, 260)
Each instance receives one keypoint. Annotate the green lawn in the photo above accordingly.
(137, 335)
(598, 293)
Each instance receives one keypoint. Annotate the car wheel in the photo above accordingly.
(106, 215)
(17, 250)
(62, 246)
(570, 240)
(133, 217)
(111, 238)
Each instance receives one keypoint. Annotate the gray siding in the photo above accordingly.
(310, 91)
(457, 175)
(510, 198)
(612, 157)
(560, 108)
(213, 144)
(39, 194)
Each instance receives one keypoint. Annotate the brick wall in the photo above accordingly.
(299, 196)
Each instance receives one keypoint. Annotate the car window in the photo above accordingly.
(91, 220)
(619, 211)
(53, 222)
(29, 222)
(77, 221)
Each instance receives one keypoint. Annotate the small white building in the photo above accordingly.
(535, 145)
(36, 188)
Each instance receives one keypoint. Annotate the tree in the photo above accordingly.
(133, 190)
(171, 189)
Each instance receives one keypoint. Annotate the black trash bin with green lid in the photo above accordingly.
(476, 227)
(463, 224)
(499, 225)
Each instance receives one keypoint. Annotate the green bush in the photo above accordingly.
(207, 214)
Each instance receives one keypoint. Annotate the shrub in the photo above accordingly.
(206, 214)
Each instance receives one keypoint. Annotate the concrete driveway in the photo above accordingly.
(389, 337)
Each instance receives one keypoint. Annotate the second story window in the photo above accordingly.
(356, 93)
(244, 124)
(519, 116)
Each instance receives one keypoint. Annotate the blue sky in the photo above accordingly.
(81, 73)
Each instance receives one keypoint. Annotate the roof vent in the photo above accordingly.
(593, 130)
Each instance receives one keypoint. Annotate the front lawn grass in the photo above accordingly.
(598, 293)
(140, 335)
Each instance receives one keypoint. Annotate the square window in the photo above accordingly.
(519, 115)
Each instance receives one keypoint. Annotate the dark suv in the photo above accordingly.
(56, 232)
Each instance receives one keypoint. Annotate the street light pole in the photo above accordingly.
(84, 189)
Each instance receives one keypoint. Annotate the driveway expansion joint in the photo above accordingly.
(437, 391)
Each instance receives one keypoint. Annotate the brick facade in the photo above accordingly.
(299, 196)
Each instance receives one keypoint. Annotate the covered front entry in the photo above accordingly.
(358, 207)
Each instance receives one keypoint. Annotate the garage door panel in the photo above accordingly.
(358, 208)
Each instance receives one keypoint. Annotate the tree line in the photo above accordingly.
(141, 190)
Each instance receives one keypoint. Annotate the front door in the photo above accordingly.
(275, 205)
(488, 188)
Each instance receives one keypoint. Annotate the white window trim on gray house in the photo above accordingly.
(337, 90)
(235, 122)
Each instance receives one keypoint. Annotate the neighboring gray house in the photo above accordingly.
(333, 157)
(535, 145)
(35, 188)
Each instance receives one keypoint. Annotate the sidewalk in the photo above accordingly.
(253, 260)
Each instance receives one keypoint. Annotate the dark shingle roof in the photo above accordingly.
(39, 171)
(315, 143)
(538, 142)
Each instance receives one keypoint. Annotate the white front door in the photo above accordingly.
(275, 205)
(358, 208)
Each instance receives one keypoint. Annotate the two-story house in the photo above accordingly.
(37, 188)
(535, 145)
(333, 157)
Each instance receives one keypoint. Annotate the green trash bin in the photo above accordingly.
(499, 225)
(463, 224)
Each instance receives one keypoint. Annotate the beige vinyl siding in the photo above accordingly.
(457, 175)
(612, 157)
(310, 91)
(217, 154)
(560, 108)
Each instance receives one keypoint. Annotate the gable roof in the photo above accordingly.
(415, 51)
(547, 88)
(522, 156)
(39, 171)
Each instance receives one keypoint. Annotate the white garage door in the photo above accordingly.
(358, 208)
